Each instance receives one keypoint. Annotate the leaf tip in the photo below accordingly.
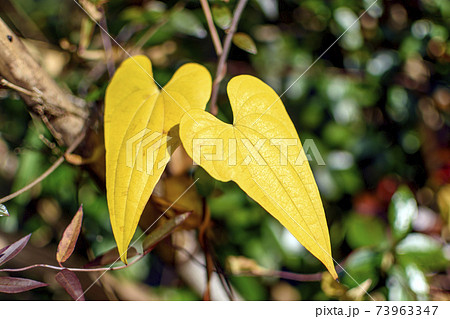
(333, 273)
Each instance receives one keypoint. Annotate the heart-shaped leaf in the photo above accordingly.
(9, 252)
(262, 153)
(69, 238)
(13, 285)
(71, 284)
(141, 132)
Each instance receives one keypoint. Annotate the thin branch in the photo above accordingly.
(106, 44)
(50, 170)
(38, 97)
(140, 256)
(212, 29)
(283, 275)
(220, 73)
(265, 273)
(17, 88)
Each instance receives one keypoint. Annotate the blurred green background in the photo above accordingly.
(376, 106)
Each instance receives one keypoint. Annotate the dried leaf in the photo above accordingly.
(141, 132)
(9, 252)
(69, 281)
(13, 285)
(245, 42)
(110, 257)
(162, 232)
(262, 153)
(240, 264)
(70, 237)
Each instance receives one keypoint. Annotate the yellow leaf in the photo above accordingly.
(141, 131)
(262, 153)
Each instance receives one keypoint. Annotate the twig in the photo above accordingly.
(106, 44)
(283, 275)
(223, 57)
(39, 108)
(266, 273)
(50, 170)
(37, 96)
(58, 137)
(140, 256)
(17, 88)
(212, 29)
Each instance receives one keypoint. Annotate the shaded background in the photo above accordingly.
(376, 106)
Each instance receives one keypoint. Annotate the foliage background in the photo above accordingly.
(376, 105)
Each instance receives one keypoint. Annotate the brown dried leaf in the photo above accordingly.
(69, 281)
(70, 237)
(9, 252)
(241, 265)
(13, 285)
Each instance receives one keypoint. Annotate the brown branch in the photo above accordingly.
(107, 45)
(44, 175)
(212, 29)
(263, 273)
(283, 275)
(220, 73)
(19, 68)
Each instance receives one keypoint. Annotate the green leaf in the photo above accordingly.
(222, 16)
(402, 211)
(416, 280)
(245, 42)
(186, 22)
(362, 264)
(397, 283)
(422, 250)
(365, 231)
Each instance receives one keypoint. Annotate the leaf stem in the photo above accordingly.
(264, 273)
(220, 73)
(140, 256)
(106, 43)
(212, 29)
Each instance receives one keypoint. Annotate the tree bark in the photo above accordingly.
(49, 100)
